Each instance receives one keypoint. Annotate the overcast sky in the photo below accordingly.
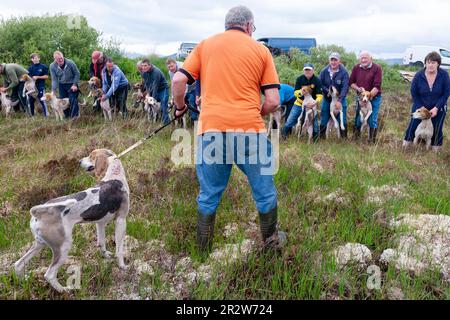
(383, 27)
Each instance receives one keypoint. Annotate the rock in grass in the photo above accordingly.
(423, 244)
(351, 254)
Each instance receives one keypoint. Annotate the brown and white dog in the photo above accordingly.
(425, 129)
(52, 223)
(153, 108)
(29, 88)
(138, 96)
(58, 105)
(7, 104)
(308, 115)
(334, 112)
(365, 108)
(276, 119)
(105, 105)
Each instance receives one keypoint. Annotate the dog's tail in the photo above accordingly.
(37, 211)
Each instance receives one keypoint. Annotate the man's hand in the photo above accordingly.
(179, 112)
(74, 88)
(339, 105)
(3, 90)
(103, 98)
(434, 112)
(311, 105)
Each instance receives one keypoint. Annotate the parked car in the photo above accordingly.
(415, 56)
(184, 49)
(282, 45)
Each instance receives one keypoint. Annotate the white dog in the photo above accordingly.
(152, 107)
(58, 105)
(52, 223)
(334, 112)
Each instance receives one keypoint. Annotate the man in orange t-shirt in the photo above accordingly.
(234, 70)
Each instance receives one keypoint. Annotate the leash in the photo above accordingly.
(151, 135)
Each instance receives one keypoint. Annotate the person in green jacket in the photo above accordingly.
(12, 73)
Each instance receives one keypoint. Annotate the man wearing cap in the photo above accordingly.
(12, 73)
(95, 70)
(367, 76)
(307, 79)
(334, 75)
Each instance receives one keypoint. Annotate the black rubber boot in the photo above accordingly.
(205, 231)
(268, 223)
(323, 132)
(372, 135)
(272, 238)
(356, 133)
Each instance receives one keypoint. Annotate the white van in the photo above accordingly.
(415, 56)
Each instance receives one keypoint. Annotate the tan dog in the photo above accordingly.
(334, 112)
(152, 107)
(308, 114)
(29, 88)
(52, 223)
(425, 129)
(58, 105)
(276, 119)
(365, 108)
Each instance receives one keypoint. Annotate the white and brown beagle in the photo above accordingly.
(365, 108)
(52, 223)
(58, 105)
(425, 129)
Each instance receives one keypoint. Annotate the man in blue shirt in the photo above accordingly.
(39, 72)
(287, 98)
(334, 75)
(156, 86)
(115, 87)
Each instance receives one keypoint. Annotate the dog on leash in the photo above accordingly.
(425, 129)
(180, 122)
(334, 112)
(275, 119)
(105, 105)
(52, 223)
(58, 105)
(365, 108)
(153, 108)
(308, 114)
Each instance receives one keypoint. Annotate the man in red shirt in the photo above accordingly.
(368, 76)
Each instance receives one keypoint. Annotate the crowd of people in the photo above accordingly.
(228, 72)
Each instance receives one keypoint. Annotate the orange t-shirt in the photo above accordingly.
(233, 69)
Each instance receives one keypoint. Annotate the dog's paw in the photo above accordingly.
(107, 254)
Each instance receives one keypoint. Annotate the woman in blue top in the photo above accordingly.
(115, 87)
(430, 89)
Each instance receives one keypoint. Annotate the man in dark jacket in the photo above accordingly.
(39, 72)
(334, 75)
(156, 86)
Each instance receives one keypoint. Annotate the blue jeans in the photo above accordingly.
(66, 92)
(373, 119)
(214, 168)
(325, 113)
(163, 97)
(295, 113)
(31, 101)
(191, 100)
(438, 124)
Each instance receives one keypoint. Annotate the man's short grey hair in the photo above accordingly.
(238, 16)
(58, 53)
(365, 53)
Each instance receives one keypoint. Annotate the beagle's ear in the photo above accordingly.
(101, 164)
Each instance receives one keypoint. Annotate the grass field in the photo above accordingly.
(325, 193)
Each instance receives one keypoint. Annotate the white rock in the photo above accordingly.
(352, 253)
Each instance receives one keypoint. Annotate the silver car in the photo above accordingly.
(184, 50)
